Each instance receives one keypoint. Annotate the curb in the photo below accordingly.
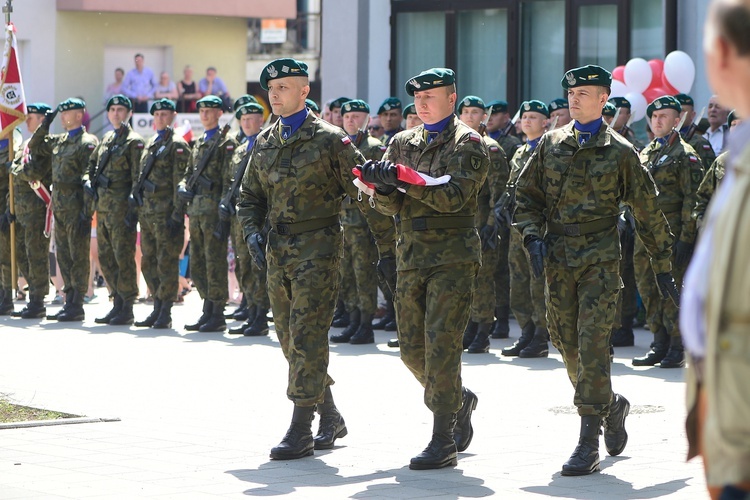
(60, 421)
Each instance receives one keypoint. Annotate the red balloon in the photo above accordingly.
(654, 92)
(668, 86)
(619, 73)
(657, 70)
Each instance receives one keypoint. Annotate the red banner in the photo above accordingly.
(12, 98)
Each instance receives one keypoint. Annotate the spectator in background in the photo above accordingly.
(213, 85)
(166, 88)
(188, 92)
(375, 128)
(139, 85)
(717, 121)
(116, 86)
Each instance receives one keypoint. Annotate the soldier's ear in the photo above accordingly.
(305, 91)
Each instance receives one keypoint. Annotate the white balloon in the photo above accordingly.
(679, 70)
(619, 89)
(638, 105)
(638, 75)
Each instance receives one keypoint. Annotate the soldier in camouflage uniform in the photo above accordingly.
(161, 168)
(70, 153)
(360, 252)
(252, 280)
(573, 185)
(299, 173)
(411, 118)
(32, 176)
(208, 249)
(389, 113)
(526, 290)
(437, 253)
(689, 133)
(621, 126)
(6, 280)
(677, 172)
(559, 112)
(115, 161)
(476, 339)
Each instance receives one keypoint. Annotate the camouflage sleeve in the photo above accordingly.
(36, 169)
(41, 141)
(89, 158)
(135, 152)
(705, 191)
(530, 197)
(252, 207)
(180, 155)
(390, 204)
(691, 175)
(228, 150)
(639, 193)
(497, 178)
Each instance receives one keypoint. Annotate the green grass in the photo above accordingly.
(10, 412)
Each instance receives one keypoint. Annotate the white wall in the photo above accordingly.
(691, 15)
(35, 22)
(338, 69)
(379, 78)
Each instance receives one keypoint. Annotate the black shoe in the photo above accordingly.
(469, 333)
(74, 312)
(364, 334)
(615, 435)
(585, 458)
(527, 333)
(240, 330)
(464, 432)
(623, 337)
(259, 327)
(164, 320)
(116, 308)
(393, 343)
(340, 319)
(501, 328)
(350, 330)
(390, 315)
(331, 425)
(68, 303)
(239, 314)
(207, 311)
(538, 347)
(6, 303)
(125, 316)
(216, 323)
(34, 310)
(391, 325)
(339, 311)
(151, 318)
(481, 342)
(659, 349)
(298, 441)
(441, 452)
(675, 357)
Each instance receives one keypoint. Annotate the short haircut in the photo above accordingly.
(731, 19)
(139, 55)
(210, 68)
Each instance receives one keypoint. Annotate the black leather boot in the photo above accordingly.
(239, 314)
(68, 302)
(441, 452)
(125, 316)
(464, 432)
(164, 320)
(615, 435)
(298, 441)
(623, 337)
(216, 322)
(585, 458)
(35, 309)
(354, 320)
(469, 333)
(151, 318)
(527, 333)
(390, 315)
(364, 334)
(538, 347)
(6, 303)
(501, 328)
(74, 312)
(659, 349)
(207, 311)
(331, 425)
(259, 326)
(116, 308)
(675, 357)
(393, 343)
(340, 316)
(481, 342)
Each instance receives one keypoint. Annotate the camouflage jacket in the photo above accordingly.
(564, 183)
(494, 185)
(629, 135)
(70, 159)
(4, 181)
(677, 172)
(217, 172)
(708, 185)
(457, 151)
(372, 149)
(300, 183)
(509, 143)
(30, 167)
(166, 172)
(701, 146)
(121, 169)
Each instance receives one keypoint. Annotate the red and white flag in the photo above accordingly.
(185, 130)
(405, 174)
(12, 98)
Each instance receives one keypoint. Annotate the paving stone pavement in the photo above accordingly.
(199, 413)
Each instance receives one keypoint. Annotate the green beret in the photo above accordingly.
(537, 106)
(732, 116)
(245, 99)
(281, 68)
(609, 109)
(410, 109)
(586, 75)
(355, 105)
(558, 103)
(663, 102)
(251, 108)
(163, 104)
(497, 106)
(389, 104)
(620, 102)
(119, 100)
(685, 100)
(71, 103)
(470, 101)
(337, 103)
(38, 108)
(430, 79)
(312, 105)
(210, 101)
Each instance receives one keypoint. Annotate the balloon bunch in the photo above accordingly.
(641, 81)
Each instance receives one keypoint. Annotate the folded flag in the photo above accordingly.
(404, 174)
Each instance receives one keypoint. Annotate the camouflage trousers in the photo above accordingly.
(209, 269)
(6, 281)
(526, 291)
(502, 273)
(347, 289)
(432, 311)
(359, 262)
(32, 252)
(72, 251)
(117, 253)
(302, 297)
(160, 263)
(581, 305)
(627, 302)
(251, 279)
(483, 301)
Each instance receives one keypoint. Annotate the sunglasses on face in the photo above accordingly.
(375, 128)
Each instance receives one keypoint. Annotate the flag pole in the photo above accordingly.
(7, 9)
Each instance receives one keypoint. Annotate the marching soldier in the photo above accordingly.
(112, 172)
(608, 113)
(70, 153)
(568, 201)
(6, 281)
(411, 117)
(677, 172)
(691, 135)
(559, 111)
(240, 136)
(335, 109)
(390, 118)
(205, 181)
(162, 166)
(500, 128)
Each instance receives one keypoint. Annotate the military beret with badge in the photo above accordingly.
(663, 102)
(685, 100)
(498, 106)
(590, 74)
(355, 105)
(282, 68)
(119, 100)
(71, 103)
(312, 105)
(609, 109)
(533, 105)
(410, 109)
(430, 79)
(470, 101)
(38, 108)
(163, 104)
(389, 104)
(242, 100)
(620, 102)
(558, 103)
(337, 103)
(210, 101)
(251, 108)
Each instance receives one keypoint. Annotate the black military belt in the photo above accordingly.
(670, 207)
(581, 228)
(426, 223)
(305, 226)
(67, 185)
(120, 185)
(158, 193)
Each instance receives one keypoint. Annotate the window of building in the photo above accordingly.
(481, 62)
(647, 32)
(542, 49)
(421, 40)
